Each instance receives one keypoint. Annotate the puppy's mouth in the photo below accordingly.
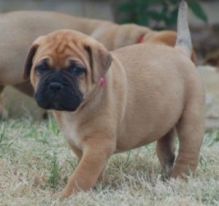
(56, 95)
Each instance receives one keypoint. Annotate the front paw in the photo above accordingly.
(67, 192)
(63, 194)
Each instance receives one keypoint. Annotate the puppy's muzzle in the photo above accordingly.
(58, 92)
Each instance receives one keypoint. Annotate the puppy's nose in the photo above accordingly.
(55, 86)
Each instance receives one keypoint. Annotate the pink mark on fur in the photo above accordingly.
(140, 39)
(102, 82)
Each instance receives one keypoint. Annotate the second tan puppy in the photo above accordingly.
(112, 102)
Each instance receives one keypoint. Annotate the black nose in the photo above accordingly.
(55, 86)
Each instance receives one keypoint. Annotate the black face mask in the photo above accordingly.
(58, 90)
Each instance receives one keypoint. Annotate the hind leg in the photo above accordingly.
(165, 149)
(25, 87)
(190, 131)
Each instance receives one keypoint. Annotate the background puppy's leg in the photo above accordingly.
(95, 155)
(1, 88)
(3, 112)
(25, 87)
(166, 150)
(190, 131)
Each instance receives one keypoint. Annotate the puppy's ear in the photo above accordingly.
(29, 61)
(30, 56)
(100, 60)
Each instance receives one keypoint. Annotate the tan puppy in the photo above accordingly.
(19, 29)
(112, 102)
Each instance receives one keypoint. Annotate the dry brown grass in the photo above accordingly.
(35, 162)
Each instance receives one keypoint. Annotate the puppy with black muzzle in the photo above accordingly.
(58, 90)
(108, 102)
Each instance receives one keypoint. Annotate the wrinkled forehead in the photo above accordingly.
(61, 48)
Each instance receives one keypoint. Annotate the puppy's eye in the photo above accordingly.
(42, 68)
(77, 71)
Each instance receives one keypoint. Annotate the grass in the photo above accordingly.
(35, 162)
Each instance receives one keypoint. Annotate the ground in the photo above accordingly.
(35, 162)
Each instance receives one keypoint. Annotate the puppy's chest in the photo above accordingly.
(71, 133)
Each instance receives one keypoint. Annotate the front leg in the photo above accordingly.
(96, 152)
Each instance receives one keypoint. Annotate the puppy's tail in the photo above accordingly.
(183, 40)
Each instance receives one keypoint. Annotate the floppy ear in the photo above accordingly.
(29, 61)
(100, 60)
(30, 56)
